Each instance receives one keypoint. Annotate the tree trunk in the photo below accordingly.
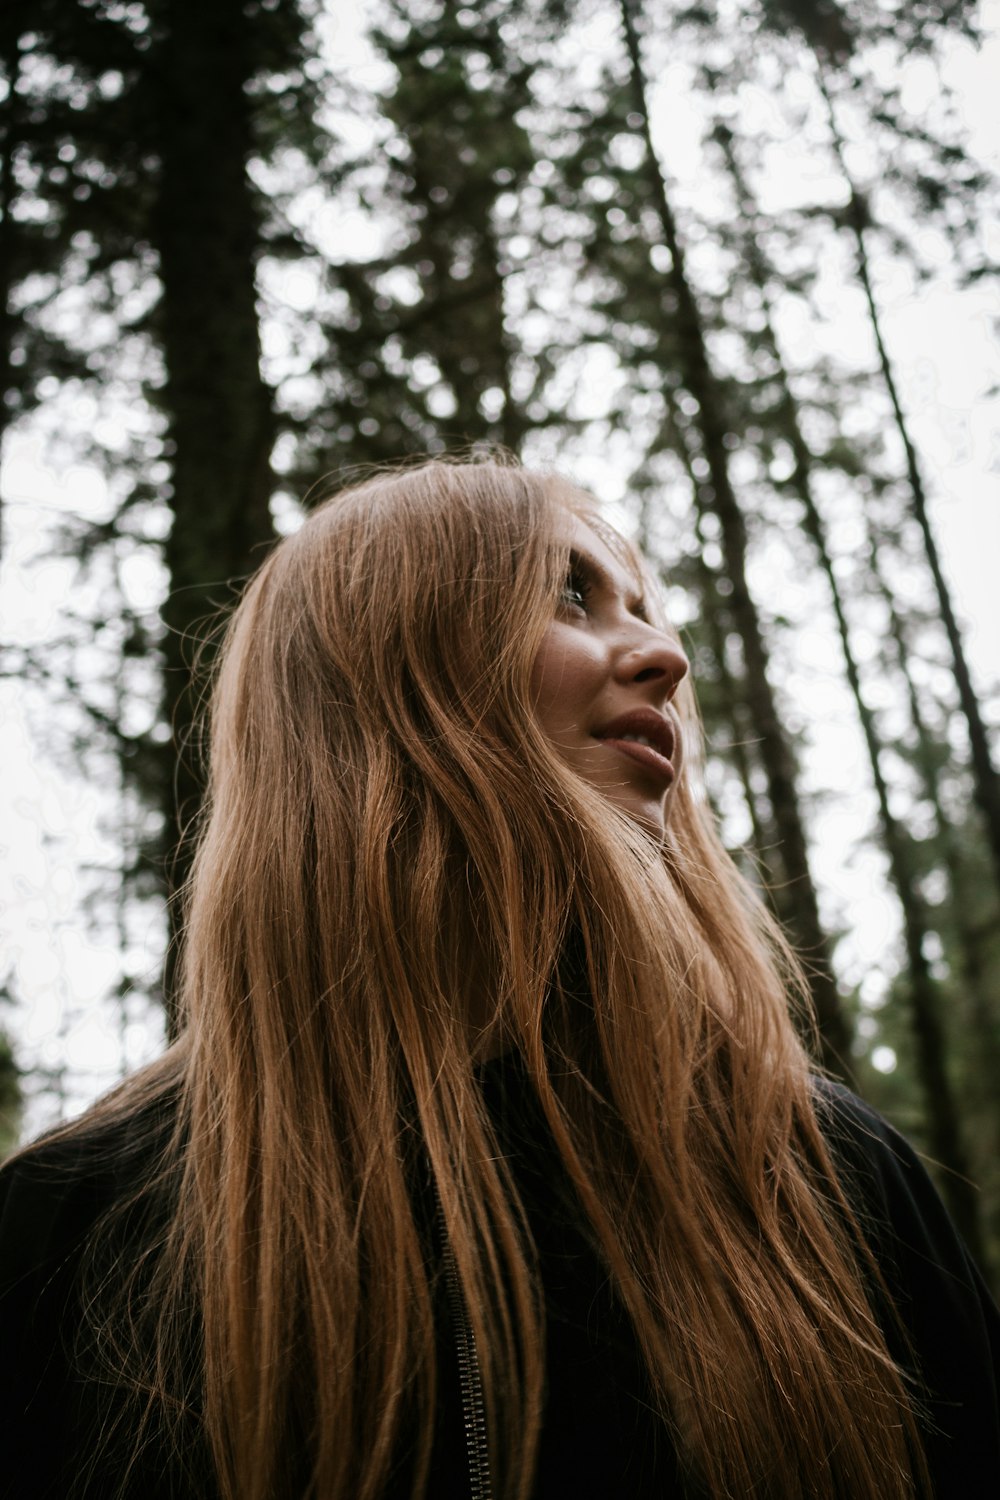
(9, 118)
(217, 405)
(986, 781)
(969, 930)
(446, 190)
(925, 1000)
(715, 617)
(776, 754)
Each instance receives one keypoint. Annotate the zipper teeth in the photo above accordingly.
(470, 1379)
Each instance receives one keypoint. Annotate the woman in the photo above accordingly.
(488, 1161)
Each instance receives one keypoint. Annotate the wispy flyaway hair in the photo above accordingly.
(394, 866)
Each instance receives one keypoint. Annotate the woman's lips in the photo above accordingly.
(643, 755)
(644, 724)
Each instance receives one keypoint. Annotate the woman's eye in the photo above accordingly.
(575, 591)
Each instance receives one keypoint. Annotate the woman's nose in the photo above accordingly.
(653, 658)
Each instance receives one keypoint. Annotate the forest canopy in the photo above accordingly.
(673, 250)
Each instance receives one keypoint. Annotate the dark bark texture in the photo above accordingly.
(925, 998)
(217, 405)
(986, 780)
(799, 897)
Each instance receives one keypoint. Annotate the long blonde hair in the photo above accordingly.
(381, 805)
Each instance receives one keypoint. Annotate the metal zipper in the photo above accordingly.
(470, 1377)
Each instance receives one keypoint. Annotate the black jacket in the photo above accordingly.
(600, 1438)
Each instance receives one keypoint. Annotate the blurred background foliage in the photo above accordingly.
(249, 244)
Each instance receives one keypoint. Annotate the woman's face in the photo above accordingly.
(603, 681)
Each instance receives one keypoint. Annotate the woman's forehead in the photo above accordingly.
(590, 538)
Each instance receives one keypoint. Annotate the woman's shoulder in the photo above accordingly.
(55, 1190)
(890, 1181)
(59, 1222)
(892, 1192)
(871, 1151)
(948, 1328)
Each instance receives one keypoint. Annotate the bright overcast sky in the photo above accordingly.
(945, 348)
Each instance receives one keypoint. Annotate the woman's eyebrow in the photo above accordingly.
(585, 562)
